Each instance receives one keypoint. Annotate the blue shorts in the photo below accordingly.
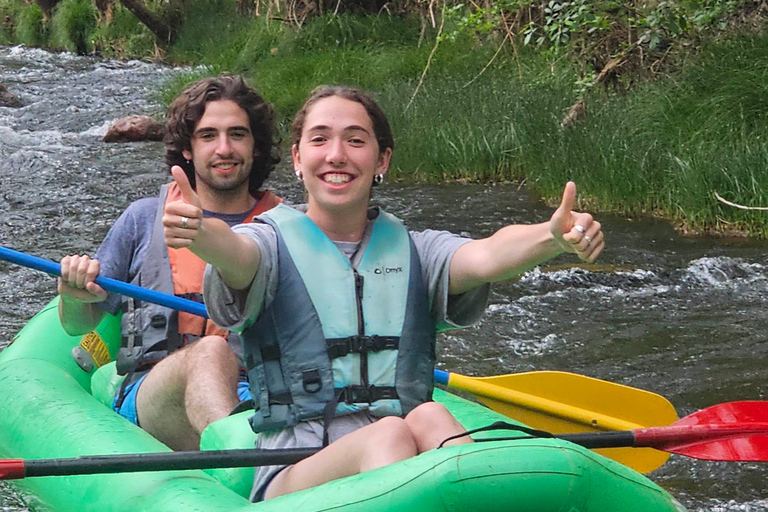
(128, 408)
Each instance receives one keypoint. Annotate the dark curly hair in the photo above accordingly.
(381, 128)
(188, 108)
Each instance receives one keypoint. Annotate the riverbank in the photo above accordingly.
(462, 111)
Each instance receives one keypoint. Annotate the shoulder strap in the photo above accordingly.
(266, 200)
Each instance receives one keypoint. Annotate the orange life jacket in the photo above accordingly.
(187, 269)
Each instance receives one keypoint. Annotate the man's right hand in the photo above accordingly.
(77, 279)
(182, 219)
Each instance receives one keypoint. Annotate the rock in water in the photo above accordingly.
(134, 128)
(7, 99)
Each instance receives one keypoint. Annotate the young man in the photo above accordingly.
(221, 133)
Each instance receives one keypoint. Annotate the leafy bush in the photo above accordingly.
(9, 14)
(594, 32)
(74, 25)
(31, 27)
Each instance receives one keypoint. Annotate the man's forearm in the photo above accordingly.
(78, 317)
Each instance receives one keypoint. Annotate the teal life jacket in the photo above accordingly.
(340, 336)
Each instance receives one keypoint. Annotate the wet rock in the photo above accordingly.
(7, 99)
(134, 128)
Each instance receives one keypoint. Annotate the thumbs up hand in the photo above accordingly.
(182, 219)
(576, 232)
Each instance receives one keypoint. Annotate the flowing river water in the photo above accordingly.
(682, 317)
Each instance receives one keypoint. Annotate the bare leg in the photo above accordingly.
(431, 423)
(187, 391)
(387, 441)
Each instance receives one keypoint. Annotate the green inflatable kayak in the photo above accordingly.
(56, 391)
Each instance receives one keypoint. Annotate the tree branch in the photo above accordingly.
(162, 30)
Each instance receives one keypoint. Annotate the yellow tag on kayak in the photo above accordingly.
(94, 345)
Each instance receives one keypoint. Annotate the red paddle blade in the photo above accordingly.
(734, 431)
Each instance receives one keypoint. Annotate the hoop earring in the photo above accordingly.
(298, 174)
(378, 179)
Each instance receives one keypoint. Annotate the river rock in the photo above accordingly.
(7, 99)
(134, 128)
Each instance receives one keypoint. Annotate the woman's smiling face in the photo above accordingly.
(338, 155)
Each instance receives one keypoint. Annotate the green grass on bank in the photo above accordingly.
(666, 148)
(662, 149)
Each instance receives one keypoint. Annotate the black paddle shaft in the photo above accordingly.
(89, 465)
(596, 440)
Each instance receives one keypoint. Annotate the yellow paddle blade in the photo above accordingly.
(564, 403)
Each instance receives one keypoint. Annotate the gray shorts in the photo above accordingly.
(304, 435)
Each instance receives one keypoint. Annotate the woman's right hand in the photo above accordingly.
(78, 274)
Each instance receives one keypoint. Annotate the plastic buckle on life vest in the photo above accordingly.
(360, 394)
(368, 394)
(311, 381)
(158, 321)
(355, 344)
(376, 343)
(127, 359)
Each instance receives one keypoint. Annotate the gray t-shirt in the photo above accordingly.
(237, 310)
(124, 249)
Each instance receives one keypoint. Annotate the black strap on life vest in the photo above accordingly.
(195, 296)
(330, 409)
(366, 394)
(340, 347)
(351, 395)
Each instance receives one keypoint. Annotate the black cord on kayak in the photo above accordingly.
(502, 425)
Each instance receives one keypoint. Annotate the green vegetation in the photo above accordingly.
(124, 36)
(74, 25)
(651, 107)
(31, 28)
(9, 14)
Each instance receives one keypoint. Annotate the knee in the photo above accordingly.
(393, 434)
(212, 344)
(427, 415)
(213, 347)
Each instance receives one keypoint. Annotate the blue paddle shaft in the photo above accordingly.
(112, 285)
(441, 377)
(131, 290)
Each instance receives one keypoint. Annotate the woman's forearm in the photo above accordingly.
(509, 252)
(235, 256)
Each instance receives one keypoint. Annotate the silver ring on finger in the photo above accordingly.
(580, 228)
(184, 222)
(588, 238)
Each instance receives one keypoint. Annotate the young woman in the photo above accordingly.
(339, 304)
